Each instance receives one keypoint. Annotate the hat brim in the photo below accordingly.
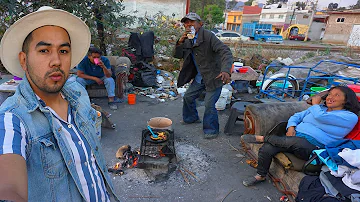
(190, 18)
(13, 39)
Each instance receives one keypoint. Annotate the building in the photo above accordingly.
(235, 19)
(276, 15)
(251, 14)
(343, 28)
(175, 9)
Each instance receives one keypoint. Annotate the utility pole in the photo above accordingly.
(311, 20)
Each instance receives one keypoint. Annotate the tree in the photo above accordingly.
(301, 5)
(356, 6)
(333, 6)
(104, 18)
(212, 15)
(231, 4)
(269, 2)
(199, 5)
(249, 3)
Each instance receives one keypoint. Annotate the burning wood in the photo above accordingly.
(130, 159)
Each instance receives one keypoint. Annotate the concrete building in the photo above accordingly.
(343, 28)
(174, 9)
(235, 19)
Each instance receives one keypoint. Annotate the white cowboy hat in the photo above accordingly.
(13, 39)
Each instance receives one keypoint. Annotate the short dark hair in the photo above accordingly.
(28, 39)
(94, 50)
(26, 44)
(351, 101)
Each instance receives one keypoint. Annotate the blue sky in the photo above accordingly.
(325, 3)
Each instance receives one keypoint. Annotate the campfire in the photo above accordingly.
(130, 160)
(156, 155)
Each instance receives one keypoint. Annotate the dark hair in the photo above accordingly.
(94, 50)
(26, 44)
(351, 101)
(28, 39)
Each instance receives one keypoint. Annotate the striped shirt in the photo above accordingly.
(13, 141)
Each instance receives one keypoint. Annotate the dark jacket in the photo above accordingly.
(211, 55)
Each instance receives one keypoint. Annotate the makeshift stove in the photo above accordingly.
(157, 157)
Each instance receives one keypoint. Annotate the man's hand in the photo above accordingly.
(183, 37)
(98, 81)
(101, 64)
(225, 77)
(291, 131)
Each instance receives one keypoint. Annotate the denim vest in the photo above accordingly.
(51, 170)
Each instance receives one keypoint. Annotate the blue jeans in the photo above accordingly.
(108, 82)
(190, 114)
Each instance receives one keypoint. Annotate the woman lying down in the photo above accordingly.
(308, 130)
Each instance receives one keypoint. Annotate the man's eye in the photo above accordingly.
(64, 51)
(44, 51)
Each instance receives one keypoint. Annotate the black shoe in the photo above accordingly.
(250, 139)
(210, 136)
(252, 181)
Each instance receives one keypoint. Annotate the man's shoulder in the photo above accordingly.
(84, 61)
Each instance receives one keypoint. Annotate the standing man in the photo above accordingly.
(95, 68)
(207, 62)
(49, 149)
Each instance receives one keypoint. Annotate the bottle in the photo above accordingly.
(191, 34)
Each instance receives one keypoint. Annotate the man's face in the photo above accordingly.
(93, 56)
(188, 23)
(48, 60)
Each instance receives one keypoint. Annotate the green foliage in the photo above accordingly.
(301, 5)
(249, 3)
(356, 6)
(165, 29)
(199, 5)
(269, 2)
(104, 18)
(212, 15)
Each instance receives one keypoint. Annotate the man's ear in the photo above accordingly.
(22, 60)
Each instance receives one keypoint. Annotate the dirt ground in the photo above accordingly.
(219, 168)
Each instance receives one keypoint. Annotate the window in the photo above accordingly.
(292, 17)
(340, 20)
(239, 17)
(263, 16)
(272, 16)
(226, 35)
(281, 16)
(234, 18)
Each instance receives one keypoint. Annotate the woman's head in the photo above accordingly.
(342, 97)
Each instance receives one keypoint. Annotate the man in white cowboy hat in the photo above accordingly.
(49, 149)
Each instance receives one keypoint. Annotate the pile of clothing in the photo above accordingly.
(339, 179)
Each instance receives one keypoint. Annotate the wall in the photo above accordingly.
(140, 8)
(315, 30)
(339, 32)
(250, 18)
(266, 13)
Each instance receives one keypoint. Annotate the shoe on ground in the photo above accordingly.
(186, 123)
(118, 100)
(113, 106)
(252, 181)
(211, 136)
(250, 139)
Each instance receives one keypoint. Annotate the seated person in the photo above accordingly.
(95, 68)
(308, 130)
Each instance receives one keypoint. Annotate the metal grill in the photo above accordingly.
(156, 150)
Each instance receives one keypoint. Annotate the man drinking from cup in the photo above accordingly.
(95, 68)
